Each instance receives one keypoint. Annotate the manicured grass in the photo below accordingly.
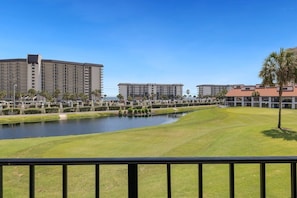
(85, 115)
(28, 118)
(206, 132)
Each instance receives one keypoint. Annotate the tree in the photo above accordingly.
(96, 93)
(66, 96)
(32, 93)
(164, 97)
(188, 92)
(73, 96)
(56, 94)
(129, 98)
(2, 94)
(279, 69)
(120, 97)
(46, 95)
(255, 94)
(152, 96)
(83, 97)
(221, 95)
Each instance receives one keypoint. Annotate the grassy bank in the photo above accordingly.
(208, 132)
(28, 118)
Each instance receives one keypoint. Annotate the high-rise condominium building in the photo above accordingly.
(150, 91)
(20, 75)
(211, 90)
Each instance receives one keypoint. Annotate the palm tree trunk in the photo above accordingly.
(279, 116)
(280, 108)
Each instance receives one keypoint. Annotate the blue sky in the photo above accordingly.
(191, 42)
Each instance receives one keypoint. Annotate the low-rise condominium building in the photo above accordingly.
(261, 96)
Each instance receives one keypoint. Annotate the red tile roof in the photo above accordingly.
(269, 91)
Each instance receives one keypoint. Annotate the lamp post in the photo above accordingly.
(14, 87)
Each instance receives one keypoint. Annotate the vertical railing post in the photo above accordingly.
(65, 181)
(32, 181)
(132, 181)
(262, 180)
(97, 181)
(231, 180)
(1, 181)
(168, 181)
(200, 180)
(293, 180)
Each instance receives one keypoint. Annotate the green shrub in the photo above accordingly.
(114, 108)
(11, 112)
(69, 109)
(52, 110)
(101, 108)
(32, 111)
(84, 109)
(155, 106)
(130, 111)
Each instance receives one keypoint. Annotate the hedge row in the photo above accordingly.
(100, 108)
(86, 108)
(32, 111)
(11, 112)
(52, 110)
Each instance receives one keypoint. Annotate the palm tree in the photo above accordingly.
(46, 95)
(96, 93)
(255, 94)
(221, 95)
(32, 93)
(188, 92)
(120, 97)
(66, 96)
(56, 94)
(83, 97)
(279, 69)
(129, 98)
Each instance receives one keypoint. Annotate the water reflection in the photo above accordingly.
(84, 126)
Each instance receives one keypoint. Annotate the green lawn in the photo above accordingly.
(206, 132)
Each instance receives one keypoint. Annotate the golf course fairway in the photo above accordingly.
(237, 131)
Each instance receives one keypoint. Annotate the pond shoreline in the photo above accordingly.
(33, 118)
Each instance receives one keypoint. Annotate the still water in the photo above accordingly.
(83, 126)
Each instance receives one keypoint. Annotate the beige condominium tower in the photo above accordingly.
(21, 75)
(150, 91)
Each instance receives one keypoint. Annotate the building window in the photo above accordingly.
(230, 98)
(238, 99)
(287, 99)
(266, 99)
(256, 98)
(275, 99)
(247, 99)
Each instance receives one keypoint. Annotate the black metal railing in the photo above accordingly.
(168, 161)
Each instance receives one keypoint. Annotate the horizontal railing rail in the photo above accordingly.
(133, 170)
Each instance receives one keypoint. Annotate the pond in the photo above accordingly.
(83, 126)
